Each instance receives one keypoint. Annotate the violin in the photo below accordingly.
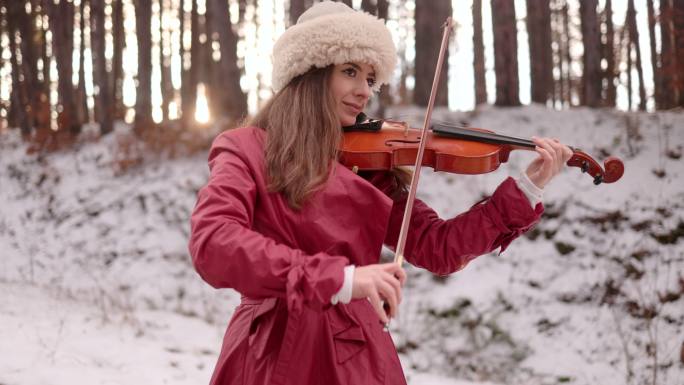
(374, 144)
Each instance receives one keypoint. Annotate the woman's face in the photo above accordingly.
(350, 84)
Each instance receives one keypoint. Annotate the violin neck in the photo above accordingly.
(480, 136)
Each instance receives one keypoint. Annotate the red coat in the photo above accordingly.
(288, 264)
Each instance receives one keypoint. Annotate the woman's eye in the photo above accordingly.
(350, 71)
(371, 82)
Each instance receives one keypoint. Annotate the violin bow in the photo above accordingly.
(401, 243)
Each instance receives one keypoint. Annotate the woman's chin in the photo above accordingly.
(348, 120)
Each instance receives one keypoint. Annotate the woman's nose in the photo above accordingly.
(363, 89)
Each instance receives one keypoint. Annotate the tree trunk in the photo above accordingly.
(81, 95)
(591, 59)
(242, 9)
(189, 94)
(370, 6)
(478, 55)
(297, 7)
(45, 59)
(164, 66)
(100, 73)
(541, 60)
(655, 63)
(4, 113)
(119, 36)
(569, 86)
(609, 55)
(429, 17)
(233, 101)
(634, 42)
(183, 59)
(556, 50)
(383, 9)
(385, 97)
(668, 62)
(348, 2)
(505, 53)
(29, 59)
(678, 25)
(62, 25)
(20, 101)
(42, 114)
(626, 43)
(143, 104)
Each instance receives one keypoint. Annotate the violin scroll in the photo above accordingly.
(612, 170)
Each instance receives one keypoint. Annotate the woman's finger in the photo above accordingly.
(546, 168)
(395, 270)
(374, 299)
(560, 154)
(387, 293)
(394, 283)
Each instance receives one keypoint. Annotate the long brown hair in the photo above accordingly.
(303, 135)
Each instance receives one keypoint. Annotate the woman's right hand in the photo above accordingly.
(378, 283)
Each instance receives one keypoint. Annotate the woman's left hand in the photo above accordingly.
(552, 157)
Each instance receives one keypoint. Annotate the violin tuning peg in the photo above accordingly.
(598, 179)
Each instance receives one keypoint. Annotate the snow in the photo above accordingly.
(98, 287)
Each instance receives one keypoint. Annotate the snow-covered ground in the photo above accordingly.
(97, 286)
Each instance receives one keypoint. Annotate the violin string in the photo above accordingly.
(466, 126)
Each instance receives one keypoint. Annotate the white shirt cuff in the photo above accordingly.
(531, 191)
(345, 293)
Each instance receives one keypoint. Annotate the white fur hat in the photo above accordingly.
(332, 33)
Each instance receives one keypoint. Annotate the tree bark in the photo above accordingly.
(29, 59)
(42, 113)
(655, 62)
(100, 73)
(385, 97)
(143, 103)
(62, 26)
(569, 86)
(634, 42)
(668, 62)
(191, 80)
(609, 55)
(117, 59)
(556, 49)
(297, 7)
(678, 26)
(20, 101)
(4, 112)
(591, 59)
(624, 39)
(233, 101)
(370, 6)
(81, 95)
(429, 16)
(478, 55)
(541, 60)
(505, 53)
(164, 66)
(242, 9)
(45, 59)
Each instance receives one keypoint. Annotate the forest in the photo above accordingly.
(62, 62)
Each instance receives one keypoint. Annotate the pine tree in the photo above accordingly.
(505, 53)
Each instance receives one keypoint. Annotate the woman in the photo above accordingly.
(299, 235)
